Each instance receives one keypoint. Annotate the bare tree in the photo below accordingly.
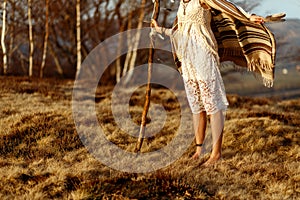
(46, 39)
(133, 41)
(56, 61)
(120, 43)
(12, 29)
(136, 40)
(129, 44)
(78, 37)
(70, 31)
(31, 49)
(3, 38)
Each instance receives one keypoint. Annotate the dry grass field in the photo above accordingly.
(42, 157)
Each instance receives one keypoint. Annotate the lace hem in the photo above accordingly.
(205, 96)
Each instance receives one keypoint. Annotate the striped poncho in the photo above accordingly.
(246, 43)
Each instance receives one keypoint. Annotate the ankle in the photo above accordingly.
(216, 155)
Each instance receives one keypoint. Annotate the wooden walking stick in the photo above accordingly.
(148, 88)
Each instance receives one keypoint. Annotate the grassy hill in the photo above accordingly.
(42, 157)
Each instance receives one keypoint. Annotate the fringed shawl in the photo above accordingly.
(246, 43)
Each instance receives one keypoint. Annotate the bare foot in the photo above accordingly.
(197, 153)
(195, 156)
(212, 160)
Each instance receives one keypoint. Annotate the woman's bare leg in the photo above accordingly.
(217, 125)
(199, 122)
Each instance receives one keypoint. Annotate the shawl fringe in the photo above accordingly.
(261, 66)
(268, 82)
(265, 69)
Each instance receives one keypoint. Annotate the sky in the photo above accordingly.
(290, 7)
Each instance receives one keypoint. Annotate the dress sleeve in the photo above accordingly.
(229, 8)
(168, 32)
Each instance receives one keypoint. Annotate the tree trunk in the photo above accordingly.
(3, 38)
(120, 42)
(45, 40)
(118, 61)
(78, 37)
(129, 44)
(56, 61)
(31, 49)
(12, 49)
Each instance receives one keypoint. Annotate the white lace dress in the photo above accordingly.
(196, 48)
